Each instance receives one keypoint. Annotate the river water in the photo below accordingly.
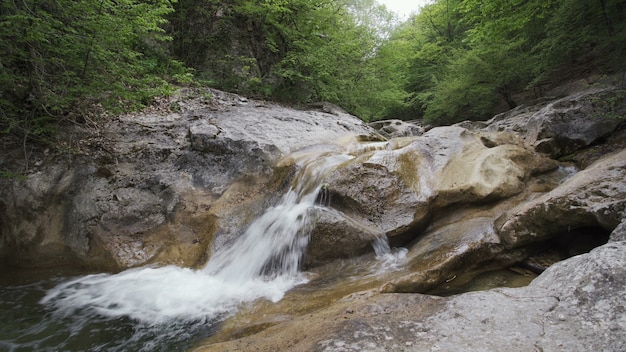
(170, 308)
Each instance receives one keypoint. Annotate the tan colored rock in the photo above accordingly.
(396, 190)
(444, 251)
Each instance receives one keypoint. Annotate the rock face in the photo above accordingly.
(169, 188)
(594, 197)
(147, 190)
(565, 125)
(476, 196)
(397, 128)
(397, 189)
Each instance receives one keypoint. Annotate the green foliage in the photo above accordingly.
(473, 58)
(61, 58)
(296, 51)
(583, 33)
(455, 60)
(457, 96)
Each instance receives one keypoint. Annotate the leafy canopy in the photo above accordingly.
(61, 58)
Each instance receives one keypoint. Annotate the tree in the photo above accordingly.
(583, 36)
(62, 57)
(437, 35)
(296, 51)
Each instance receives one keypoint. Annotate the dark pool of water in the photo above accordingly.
(472, 281)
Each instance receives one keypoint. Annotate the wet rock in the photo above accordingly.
(142, 189)
(397, 128)
(327, 243)
(595, 196)
(397, 189)
(575, 305)
(440, 253)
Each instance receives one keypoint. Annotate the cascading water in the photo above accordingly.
(155, 306)
(169, 308)
(388, 258)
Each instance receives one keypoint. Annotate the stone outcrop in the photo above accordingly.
(169, 188)
(397, 128)
(566, 125)
(397, 189)
(482, 199)
(146, 189)
(594, 197)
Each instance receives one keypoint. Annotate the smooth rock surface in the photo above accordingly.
(576, 305)
(397, 189)
(565, 125)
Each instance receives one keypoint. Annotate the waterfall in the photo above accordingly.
(388, 258)
(274, 243)
(155, 309)
(262, 263)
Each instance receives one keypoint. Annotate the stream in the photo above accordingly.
(170, 308)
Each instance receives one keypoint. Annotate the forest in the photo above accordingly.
(77, 61)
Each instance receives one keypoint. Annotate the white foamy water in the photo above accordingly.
(261, 264)
(388, 258)
(158, 295)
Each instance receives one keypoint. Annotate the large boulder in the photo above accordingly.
(441, 253)
(565, 125)
(355, 239)
(594, 197)
(395, 189)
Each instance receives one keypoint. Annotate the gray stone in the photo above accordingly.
(576, 305)
(327, 243)
(595, 196)
(619, 234)
(565, 125)
(397, 128)
(142, 190)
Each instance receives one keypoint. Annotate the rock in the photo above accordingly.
(619, 234)
(327, 107)
(202, 135)
(397, 128)
(327, 243)
(594, 197)
(440, 253)
(575, 305)
(568, 124)
(396, 189)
